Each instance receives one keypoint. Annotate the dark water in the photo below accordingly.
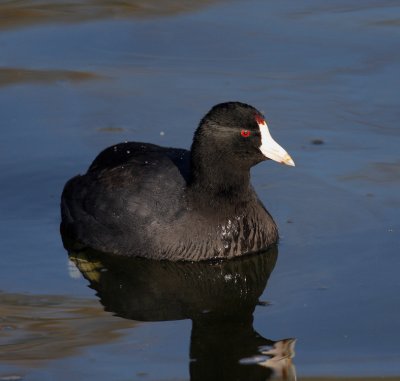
(78, 76)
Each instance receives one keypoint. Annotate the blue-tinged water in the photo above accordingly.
(77, 77)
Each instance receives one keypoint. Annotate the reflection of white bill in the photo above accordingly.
(278, 358)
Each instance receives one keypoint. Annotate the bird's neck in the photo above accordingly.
(219, 181)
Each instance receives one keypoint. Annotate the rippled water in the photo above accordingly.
(76, 77)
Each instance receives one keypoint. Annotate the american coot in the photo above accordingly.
(139, 199)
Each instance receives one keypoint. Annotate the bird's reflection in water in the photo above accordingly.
(218, 297)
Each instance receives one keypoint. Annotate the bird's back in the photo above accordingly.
(130, 191)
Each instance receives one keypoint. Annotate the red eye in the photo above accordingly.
(245, 133)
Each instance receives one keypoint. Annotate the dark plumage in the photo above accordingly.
(139, 199)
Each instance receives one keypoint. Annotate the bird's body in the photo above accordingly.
(139, 199)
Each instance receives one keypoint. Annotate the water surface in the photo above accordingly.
(77, 77)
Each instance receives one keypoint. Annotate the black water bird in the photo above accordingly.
(139, 199)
